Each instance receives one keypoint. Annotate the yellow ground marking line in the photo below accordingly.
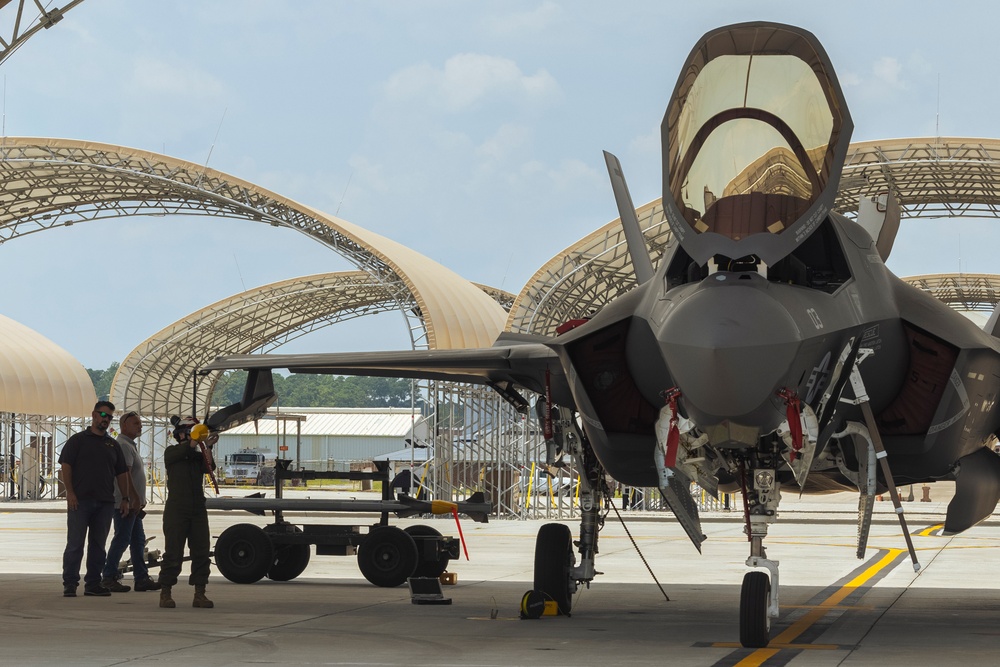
(778, 647)
(928, 532)
(786, 638)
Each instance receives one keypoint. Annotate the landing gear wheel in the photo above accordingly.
(553, 560)
(244, 553)
(755, 623)
(426, 568)
(388, 556)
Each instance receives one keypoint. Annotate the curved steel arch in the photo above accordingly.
(50, 183)
(931, 178)
(585, 276)
(20, 28)
(156, 378)
(945, 177)
(969, 292)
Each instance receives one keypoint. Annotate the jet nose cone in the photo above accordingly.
(728, 348)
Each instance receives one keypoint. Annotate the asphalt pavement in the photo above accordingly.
(683, 609)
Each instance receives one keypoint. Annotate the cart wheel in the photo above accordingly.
(426, 568)
(244, 553)
(290, 560)
(387, 556)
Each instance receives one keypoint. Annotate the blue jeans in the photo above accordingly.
(89, 522)
(128, 533)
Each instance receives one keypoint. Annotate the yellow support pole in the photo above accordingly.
(531, 482)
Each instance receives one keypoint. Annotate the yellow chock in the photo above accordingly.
(449, 578)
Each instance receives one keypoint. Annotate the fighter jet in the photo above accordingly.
(770, 348)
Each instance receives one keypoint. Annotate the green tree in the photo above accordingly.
(102, 380)
(305, 390)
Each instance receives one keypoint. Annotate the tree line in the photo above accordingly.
(301, 391)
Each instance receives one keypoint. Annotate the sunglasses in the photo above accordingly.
(104, 414)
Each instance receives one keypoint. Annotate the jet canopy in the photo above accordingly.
(754, 139)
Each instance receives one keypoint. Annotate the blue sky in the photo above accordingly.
(471, 131)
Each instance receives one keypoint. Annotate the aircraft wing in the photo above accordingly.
(523, 365)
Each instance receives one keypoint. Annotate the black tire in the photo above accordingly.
(755, 624)
(426, 568)
(290, 560)
(244, 553)
(553, 560)
(387, 557)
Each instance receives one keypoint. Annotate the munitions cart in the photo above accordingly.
(387, 555)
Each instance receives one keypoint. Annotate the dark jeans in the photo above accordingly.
(90, 521)
(130, 534)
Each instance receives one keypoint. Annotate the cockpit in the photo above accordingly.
(754, 140)
(751, 132)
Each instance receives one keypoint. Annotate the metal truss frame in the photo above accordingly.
(48, 184)
(20, 30)
(157, 378)
(931, 178)
(944, 177)
(969, 292)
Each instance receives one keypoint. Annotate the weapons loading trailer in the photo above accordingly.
(387, 555)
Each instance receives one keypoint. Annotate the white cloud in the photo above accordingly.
(174, 78)
(569, 176)
(648, 142)
(467, 79)
(507, 140)
(888, 70)
(848, 79)
(534, 21)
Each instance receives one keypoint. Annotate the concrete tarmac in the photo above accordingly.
(836, 609)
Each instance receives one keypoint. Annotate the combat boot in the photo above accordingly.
(115, 586)
(166, 601)
(199, 598)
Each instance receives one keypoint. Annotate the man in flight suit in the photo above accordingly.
(185, 518)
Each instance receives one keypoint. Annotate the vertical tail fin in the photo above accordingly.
(993, 325)
(641, 262)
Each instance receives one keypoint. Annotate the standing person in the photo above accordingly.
(129, 532)
(92, 462)
(184, 515)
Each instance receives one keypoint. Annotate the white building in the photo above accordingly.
(327, 438)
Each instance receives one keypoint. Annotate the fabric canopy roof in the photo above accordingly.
(37, 377)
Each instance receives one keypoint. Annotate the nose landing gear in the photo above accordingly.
(759, 594)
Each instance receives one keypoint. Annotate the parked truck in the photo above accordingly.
(249, 467)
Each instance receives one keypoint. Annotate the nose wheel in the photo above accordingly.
(755, 619)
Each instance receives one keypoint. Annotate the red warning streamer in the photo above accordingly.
(461, 536)
(793, 409)
(673, 434)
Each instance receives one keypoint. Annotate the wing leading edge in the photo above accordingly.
(523, 365)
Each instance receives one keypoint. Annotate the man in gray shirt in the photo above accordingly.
(128, 528)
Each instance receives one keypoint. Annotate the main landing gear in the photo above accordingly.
(557, 574)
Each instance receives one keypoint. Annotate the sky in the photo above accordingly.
(469, 131)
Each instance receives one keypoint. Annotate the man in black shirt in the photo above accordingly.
(92, 462)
